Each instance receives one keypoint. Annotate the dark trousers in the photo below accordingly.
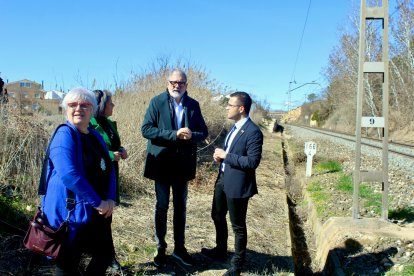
(94, 238)
(162, 192)
(237, 208)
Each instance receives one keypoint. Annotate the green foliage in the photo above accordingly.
(365, 191)
(370, 198)
(402, 213)
(312, 97)
(13, 213)
(345, 184)
(408, 270)
(319, 196)
(330, 166)
(316, 117)
(373, 202)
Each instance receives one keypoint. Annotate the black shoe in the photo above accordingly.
(115, 264)
(160, 258)
(183, 256)
(214, 254)
(232, 272)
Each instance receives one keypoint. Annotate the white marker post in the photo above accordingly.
(310, 150)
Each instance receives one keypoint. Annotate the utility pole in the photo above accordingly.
(367, 67)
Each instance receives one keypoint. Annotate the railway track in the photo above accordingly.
(400, 149)
(341, 147)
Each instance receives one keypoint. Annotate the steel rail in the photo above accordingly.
(352, 138)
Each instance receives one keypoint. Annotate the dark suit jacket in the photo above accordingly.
(169, 158)
(242, 160)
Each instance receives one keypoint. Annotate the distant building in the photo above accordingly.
(54, 95)
(30, 97)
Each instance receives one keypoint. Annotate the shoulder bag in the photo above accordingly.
(41, 237)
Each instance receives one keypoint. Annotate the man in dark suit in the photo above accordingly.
(236, 181)
(173, 125)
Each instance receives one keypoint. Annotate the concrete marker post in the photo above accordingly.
(310, 150)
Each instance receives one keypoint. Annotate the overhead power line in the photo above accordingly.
(300, 42)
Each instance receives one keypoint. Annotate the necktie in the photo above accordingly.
(228, 137)
(222, 165)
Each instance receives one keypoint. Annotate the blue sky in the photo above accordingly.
(246, 45)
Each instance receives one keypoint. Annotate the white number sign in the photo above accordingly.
(372, 121)
(310, 148)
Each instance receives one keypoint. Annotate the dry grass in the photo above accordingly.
(404, 134)
(24, 140)
(130, 109)
(268, 245)
(268, 238)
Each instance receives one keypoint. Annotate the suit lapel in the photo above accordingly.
(166, 111)
(239, 134)
(186, 114)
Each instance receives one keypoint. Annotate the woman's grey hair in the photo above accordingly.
(102, 97)
(80, 94)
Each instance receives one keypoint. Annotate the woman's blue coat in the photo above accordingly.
(66, 171)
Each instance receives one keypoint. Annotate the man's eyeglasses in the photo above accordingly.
(233, 105)
(82, 105)
(177, 82)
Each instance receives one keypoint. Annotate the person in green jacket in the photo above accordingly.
(108, 129)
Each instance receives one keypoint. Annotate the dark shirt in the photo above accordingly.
(97, 164)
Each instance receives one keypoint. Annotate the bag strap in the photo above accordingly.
(70, 201)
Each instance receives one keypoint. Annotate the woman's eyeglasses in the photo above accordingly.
(82, 105)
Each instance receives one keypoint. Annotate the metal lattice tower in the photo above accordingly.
(372, 13)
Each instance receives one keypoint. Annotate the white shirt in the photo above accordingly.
(230, 139)
(179, 110)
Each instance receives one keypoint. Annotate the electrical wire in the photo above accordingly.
(301, 40)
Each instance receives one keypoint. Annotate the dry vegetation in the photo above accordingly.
(24, 140)
(131, 105)
(337, 108)
(21, 149)
(269, 244)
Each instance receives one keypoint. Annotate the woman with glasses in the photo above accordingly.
(80, 172)
(108, 129)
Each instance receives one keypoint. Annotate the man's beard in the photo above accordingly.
(176, 94)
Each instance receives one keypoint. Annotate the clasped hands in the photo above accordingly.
(121, 154)
(219, 154)
(106, 208)
(184, 133)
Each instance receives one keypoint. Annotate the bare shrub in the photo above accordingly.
(22, 147)
(132, 103)
(24, 139)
